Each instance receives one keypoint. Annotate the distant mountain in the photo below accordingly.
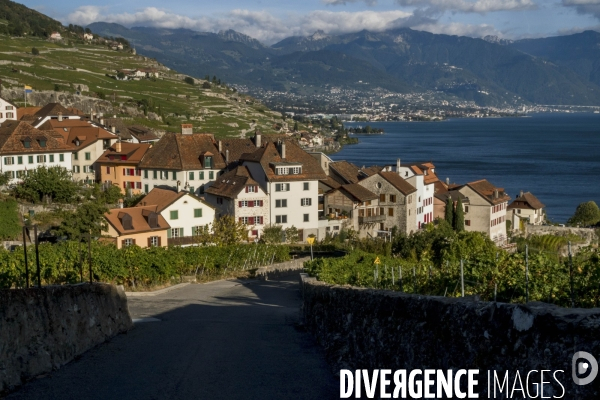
(497, 40)
(17, 20)
(489, 71)
(579, 52)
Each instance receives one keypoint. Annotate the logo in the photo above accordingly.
(580, 368)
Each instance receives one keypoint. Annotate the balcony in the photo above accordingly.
(371, 220)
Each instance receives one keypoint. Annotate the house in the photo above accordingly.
(291, 178)
(137, 226)
(141, 134)
(51, 111)
(397, 203)
(525, 209)
(55, 36)
(186, 214)
(23, 148)
(440, 201)
(119, 166)
(8, 111)
(486, 211)
(355, 206)
(187, 160)
(88, 141)
(236, 193)
(88, 36)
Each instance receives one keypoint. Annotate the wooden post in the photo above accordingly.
(25, 254)
(37, 257)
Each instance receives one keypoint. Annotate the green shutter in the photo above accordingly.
(201, 175)
(191, 175)
(154, 174)
(192, 189)
(198, 213)
(146, 188)
(20, 159)
(146, 175)
(174, 175)
(51, 157)
(169, 234)
(211, 175)
(180, 232)
(174, 214)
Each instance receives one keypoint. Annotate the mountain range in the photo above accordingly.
(559, 70)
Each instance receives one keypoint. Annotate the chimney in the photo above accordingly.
(113, 129)
(60, 117)
(282, 148)
(521, 194)
(495, 193)
(101, 121)
(118, 146)
(93, 116)
(257, 138)
(447, 181)
(220, 146)
(398, 166)
(178, 186)
(187, 129)
(227, 156)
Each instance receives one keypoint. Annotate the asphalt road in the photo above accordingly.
(222, 340)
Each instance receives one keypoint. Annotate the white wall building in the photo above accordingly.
(8, 111)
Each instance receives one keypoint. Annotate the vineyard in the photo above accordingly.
(134, 267)
(430, 265)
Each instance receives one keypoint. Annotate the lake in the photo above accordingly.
(554, 156)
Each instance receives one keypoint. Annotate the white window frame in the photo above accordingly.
(305, 202)
(281, 203)
(279, 219)
(282, 187)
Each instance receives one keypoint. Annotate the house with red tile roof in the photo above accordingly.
(119, 166)
(137, 226)
(8, 111)
(525, 210)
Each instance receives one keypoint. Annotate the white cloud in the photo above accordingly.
(269, 29)
(344, 2)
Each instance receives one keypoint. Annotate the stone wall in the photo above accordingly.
(375, 329)
(43, 329)
(281, 269)
(66, 99)
(587, 234)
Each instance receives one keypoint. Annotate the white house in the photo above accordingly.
(185, 213)
(55, 36)
(290, 176)
(236, 193)
(88, 36)
(423, 178)
(189, 161)
(23, 148)
(525, 209)
(8, 111)
(89, 141)
(51, 111)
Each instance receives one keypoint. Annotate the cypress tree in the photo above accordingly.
(459, 217)
(449, 214)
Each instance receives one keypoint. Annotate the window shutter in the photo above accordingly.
(123, 243)
(159, 241)
(133, 241)
(124, 185)
(239, 204)
(250, 204)
(246, 189)
(240, 219)
(180, 232)
(251, 221)
(169, 236)
(149, 242)
(123, 171)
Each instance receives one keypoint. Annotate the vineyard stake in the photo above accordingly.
(462, 279)
(414, 279)
(25, 254)
(526, 273)
(89, 235)
(571, 274)
(37, 257)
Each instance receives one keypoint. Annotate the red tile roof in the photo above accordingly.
(404, 187)
(488, 191)
(139, 217)
(133, 152)
(526, 201)
(358, 193)
(13, 135)
(232, 183)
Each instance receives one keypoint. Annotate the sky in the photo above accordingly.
(271, 21)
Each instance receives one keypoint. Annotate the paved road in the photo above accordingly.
(223, 340)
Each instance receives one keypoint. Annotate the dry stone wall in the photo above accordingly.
(43, 329)
(376, 329)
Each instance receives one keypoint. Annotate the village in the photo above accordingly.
(190, 178)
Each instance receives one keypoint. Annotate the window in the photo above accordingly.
(61, 157)
(75, 156)
(154, 241)
(174, 214)
(392, 198)
(207, 162)
(382, 198)
(306, 216)
(192, 189)
(466, 209)
(296, 171)
(258, 220)
(381, 211)
(306, 202)
(51, 157)
(41, 159)
(251, 189)
(282, 187)
(9, 160)
(42, 142)
(165, 175)
(174, 175)
(390, 212)
(191, 176)
(467, 222)
(306, 185)
(281, 219)
(198, 213)
(219, 200)
(197, 230)
(128, 242)
(244, 220)
(9, 107)
(201, 177)
(27, 144)
(10, 115)
(20, 160)
(243, 203)
(145, 174)
(281, 203)
(85, 169)
(175, 232)
(88, 156)
(138, 185)
(211, 175)
(155, 174)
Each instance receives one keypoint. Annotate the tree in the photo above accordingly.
(9, 215)
(52, 182)
(189, 80)
(291, 234)
(5, 178)
(272, 234)
(228, 231)
(56, 87)
(121, 75)
(459, 217)
(449, 214)
(586, 214)
(296, 126)
(89, 217)
(35, 51)
(206, 85)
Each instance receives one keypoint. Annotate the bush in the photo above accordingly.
(189, 80)
(35, 51)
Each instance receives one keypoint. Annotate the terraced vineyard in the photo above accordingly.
(74, 66)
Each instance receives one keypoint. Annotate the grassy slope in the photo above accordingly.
(70, 66)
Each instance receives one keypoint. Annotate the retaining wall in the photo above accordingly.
(43, 329)
(282, 269)
(376, 329)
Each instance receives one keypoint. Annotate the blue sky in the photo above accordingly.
(270, 20)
